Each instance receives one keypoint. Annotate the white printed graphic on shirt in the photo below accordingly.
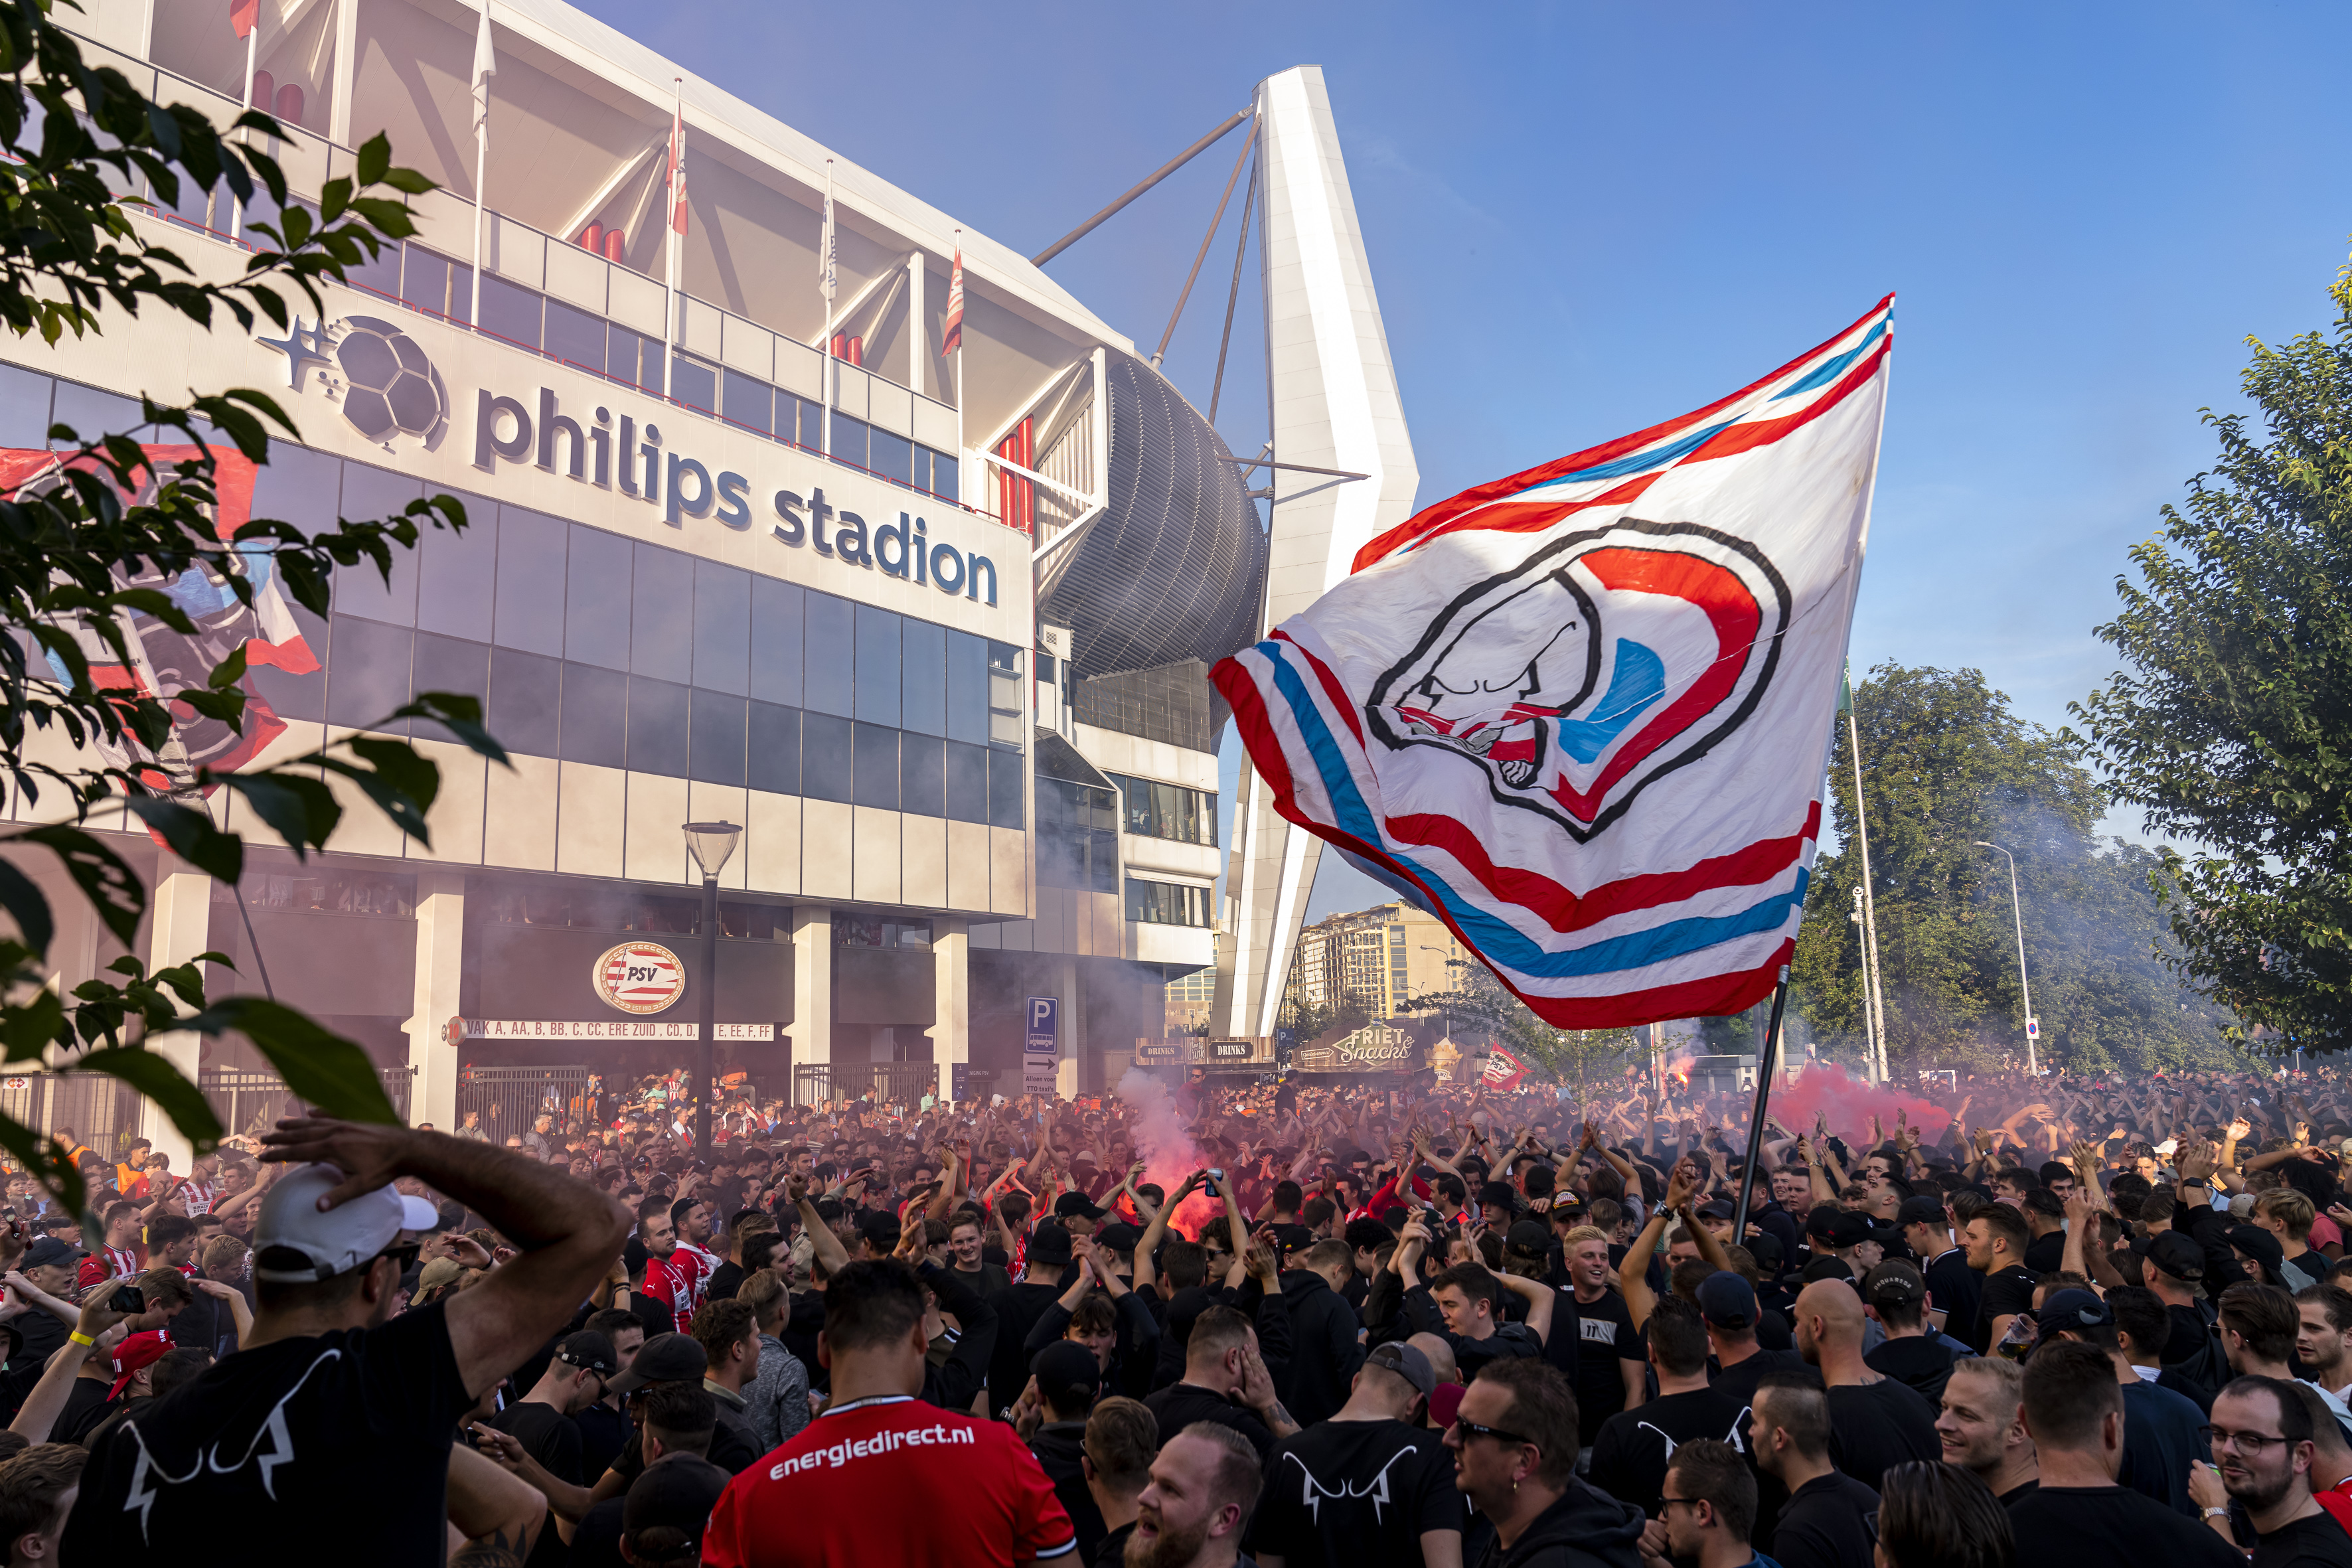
(141, 1495)
(1313, 1494)
(1731, 1437)
(1598, 1330)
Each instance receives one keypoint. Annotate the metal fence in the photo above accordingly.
(101, 1111)
(885, 1082)
(509, 1100)
(250, 1100)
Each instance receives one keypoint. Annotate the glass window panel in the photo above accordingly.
(717, 742)
(825, 757)
(966, 787)
(967, 689)
(750, 403)
(649, 364)
(923, 682)
(424, 282)
(892, 456)
(829, 672)
(812, 423)
(526, 698)
(297, 486)
(293, 696)
(529, 600)
(596, 599)
(92, 413)
(378, 274)
(595, 716)
(25, 410)
(878, 665)
(371, 494)
(1004, 790)
(877, 748)
(776, 641)
(452, 665)
(694, 383)
(621, 355)
(849, 438)
(370, 679)
(943, 477)
(775, 748)
(722, 627)
(509, 311)
(659, 713)
(574, 336)
(922, 779)
(457, 574)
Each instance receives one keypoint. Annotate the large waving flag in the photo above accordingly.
(1584, 711)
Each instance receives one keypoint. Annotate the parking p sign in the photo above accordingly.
(1041, 1045)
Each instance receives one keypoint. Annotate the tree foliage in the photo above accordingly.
(73, 256)
(1946, 764)
(1484, 1006)
(2229, 724)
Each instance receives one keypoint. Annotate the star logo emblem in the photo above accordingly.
(302, 346)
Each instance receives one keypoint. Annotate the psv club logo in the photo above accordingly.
(638, 977)
(1602, 662)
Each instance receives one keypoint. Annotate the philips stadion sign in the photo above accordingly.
(391, 392)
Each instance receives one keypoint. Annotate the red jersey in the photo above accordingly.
(671, 1281)
(109, 1263)
(836, 1495)
(698, 1266)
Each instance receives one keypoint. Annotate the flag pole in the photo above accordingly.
(959, 380)
(485, 67)
(245, 138)
(825, 338)
(1756, 1118)
(669, 264)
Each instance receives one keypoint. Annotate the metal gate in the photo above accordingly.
(100, 1112)
(509, 1100)
(887, 1083)
(250, 1100)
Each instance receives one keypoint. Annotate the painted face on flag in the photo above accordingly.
(1600, 662)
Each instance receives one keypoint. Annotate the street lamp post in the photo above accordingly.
(2025, 993)
(710, 843)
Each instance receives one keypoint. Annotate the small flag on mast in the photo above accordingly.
(678, 164)
(486, 66)
(952, 335)
(243, 16)
(825, 272)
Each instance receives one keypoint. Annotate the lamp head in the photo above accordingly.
(711, 844)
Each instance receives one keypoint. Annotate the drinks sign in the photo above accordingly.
(638, 977)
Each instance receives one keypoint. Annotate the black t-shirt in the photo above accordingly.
(550, 1436)
(1630, 1454)
(2314, 1542)
(2090, 1527)
(2006, 1292)
(1878, 1425)
(1919, 1361)
(604, 1433)
(1955, 1291)
(87, 1404)
(1737, 1382)
(1509, 1341)
(1357, 1494)
(1179, 1405)
(273, 1437)
(1605, 1339)
(2164, 1433)
(596, 1540)
(2043, 1254)
(1828, 1522)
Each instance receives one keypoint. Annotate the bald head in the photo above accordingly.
(1828, 1314)
(1440, 1354)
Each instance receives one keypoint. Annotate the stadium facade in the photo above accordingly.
(932, 629)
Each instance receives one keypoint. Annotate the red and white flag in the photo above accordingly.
(952, 335)
(1502, 1071)
(677, 169)
(243, 16)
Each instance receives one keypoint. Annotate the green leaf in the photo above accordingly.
(228, 671)
(105, 879)
(193, 837)
(28, 907)
(400, 766)
(29, 1029)
(374, 159)
(299, 808)
(326, 1071)
(459, 714)
(154, 1077)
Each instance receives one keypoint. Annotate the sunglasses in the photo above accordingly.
(1470, 1429)
(405, 1254)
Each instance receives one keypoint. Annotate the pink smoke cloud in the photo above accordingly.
(1824, 1089)
(1164, 1143)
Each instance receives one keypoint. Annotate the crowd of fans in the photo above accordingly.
(2004, 1321)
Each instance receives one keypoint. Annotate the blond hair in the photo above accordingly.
(2290, 1208)
(1584, 1233)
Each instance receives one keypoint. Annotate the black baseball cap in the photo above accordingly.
(1922, 1211)
(1049, 1243)
(678, 1490)
(1724, 1299)
(1070, 1203)
(2175, 1253)
(2073, 1309)
(588, 1349)
(49, 1251)
(1530, 1237)
(665, 1358)
(1119, 1236)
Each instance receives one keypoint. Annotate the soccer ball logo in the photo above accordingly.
(392, 389)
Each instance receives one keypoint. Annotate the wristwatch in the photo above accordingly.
(2217, 1513)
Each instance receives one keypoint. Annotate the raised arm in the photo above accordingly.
(566, 1231)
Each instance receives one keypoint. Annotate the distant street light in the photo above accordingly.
(710, 843)
(2016, 910)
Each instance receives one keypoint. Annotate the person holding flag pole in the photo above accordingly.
(825, 281)
(486, 66)
(672, 320)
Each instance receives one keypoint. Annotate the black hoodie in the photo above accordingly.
(1585, 1529)
(1059, 1446)
(1324, 1350)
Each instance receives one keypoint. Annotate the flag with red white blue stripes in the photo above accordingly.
(1582, 712)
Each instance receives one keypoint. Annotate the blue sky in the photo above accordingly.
(1582, 219)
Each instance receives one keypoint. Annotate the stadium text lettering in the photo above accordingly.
(632, 459)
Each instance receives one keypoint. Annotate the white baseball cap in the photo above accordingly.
(334, 1241)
